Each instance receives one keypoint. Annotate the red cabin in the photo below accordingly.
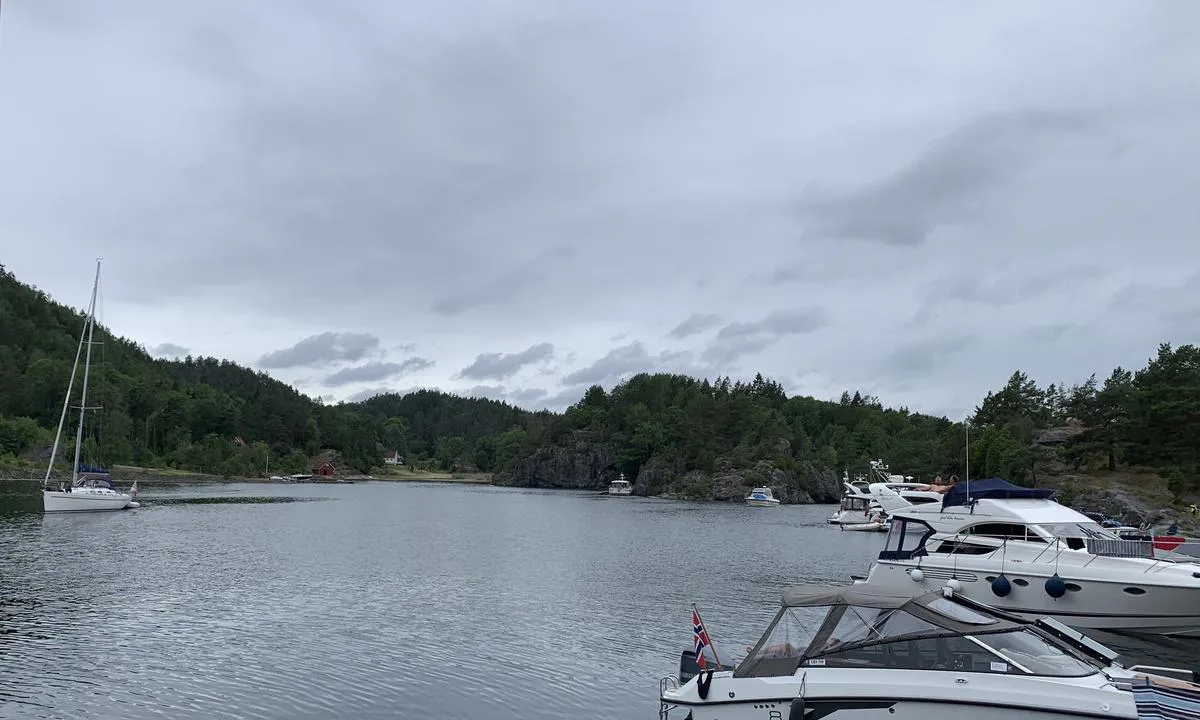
(326, 468)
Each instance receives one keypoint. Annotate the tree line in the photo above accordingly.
(209, 415)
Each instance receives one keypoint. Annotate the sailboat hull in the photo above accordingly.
(55, 501)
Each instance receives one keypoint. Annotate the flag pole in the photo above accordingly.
(704, 628)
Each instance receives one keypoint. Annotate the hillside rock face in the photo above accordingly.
(589, 464)
(581, 466)
(729, 484)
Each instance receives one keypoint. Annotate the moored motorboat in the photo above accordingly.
(874, 655)
(858, 504)
(620, 487)
(1016, 549)
(762, 497)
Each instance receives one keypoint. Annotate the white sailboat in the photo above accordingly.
(90, 490)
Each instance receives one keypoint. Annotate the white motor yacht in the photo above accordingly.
(620, 486)
(858, 505)
(860, 652)
(1016, 549)
(762, 497)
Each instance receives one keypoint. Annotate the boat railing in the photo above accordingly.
(670, 682)
(1187, 675)
(1105, 547)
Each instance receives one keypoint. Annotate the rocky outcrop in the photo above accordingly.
(584, 465)
(1058, 435)
(590, 464)
(731, 484)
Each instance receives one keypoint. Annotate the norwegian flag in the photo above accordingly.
(700, 638)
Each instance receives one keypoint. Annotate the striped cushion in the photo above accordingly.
(1165, 700)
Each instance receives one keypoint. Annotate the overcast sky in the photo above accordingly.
(519, 199)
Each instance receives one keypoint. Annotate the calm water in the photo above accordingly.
(393, 600)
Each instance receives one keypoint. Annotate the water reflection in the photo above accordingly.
(398, 600)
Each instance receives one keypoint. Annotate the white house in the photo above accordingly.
(393, 458)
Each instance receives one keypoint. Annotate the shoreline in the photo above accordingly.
(126, 475)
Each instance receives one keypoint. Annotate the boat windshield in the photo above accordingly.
(779, 650)
(855, 636)
(1077, 530)
(1015, 652)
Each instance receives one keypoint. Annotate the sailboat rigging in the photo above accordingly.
(90, 490)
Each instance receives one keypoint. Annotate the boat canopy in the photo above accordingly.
(991, 489)
(858, 627)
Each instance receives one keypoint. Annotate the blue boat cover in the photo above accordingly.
(991, 489)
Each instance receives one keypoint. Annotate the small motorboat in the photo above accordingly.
(878, 522)
(762, 497)
(855, 651)
(620, 486)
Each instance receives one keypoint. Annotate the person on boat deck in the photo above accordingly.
(1173, 530)
(940, 486)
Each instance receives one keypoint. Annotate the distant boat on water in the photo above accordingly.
(91, 488)
(620, 486)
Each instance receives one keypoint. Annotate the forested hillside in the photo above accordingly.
(673, 435)
(190, 413)
(683, 437)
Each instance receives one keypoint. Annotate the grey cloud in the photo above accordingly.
(778, 322)
(563, 399)
(578, 170)
(694, 325)
(919, 359)
(527, 396)
(1049, 333)
(170, 350)
(491, 392)
(1010, 288)
(724, 354)
(1142, 295)
(629, 358)
(500, 366)
(503, 286)
(376, 371)
(949, 183)
(787, 274)
(320, 350)
(740, 339)
(366, 394)
(1002, 288)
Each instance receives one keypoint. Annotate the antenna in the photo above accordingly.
(967, 472)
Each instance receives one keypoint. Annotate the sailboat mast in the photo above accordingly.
(62, 419)
(87, 366)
